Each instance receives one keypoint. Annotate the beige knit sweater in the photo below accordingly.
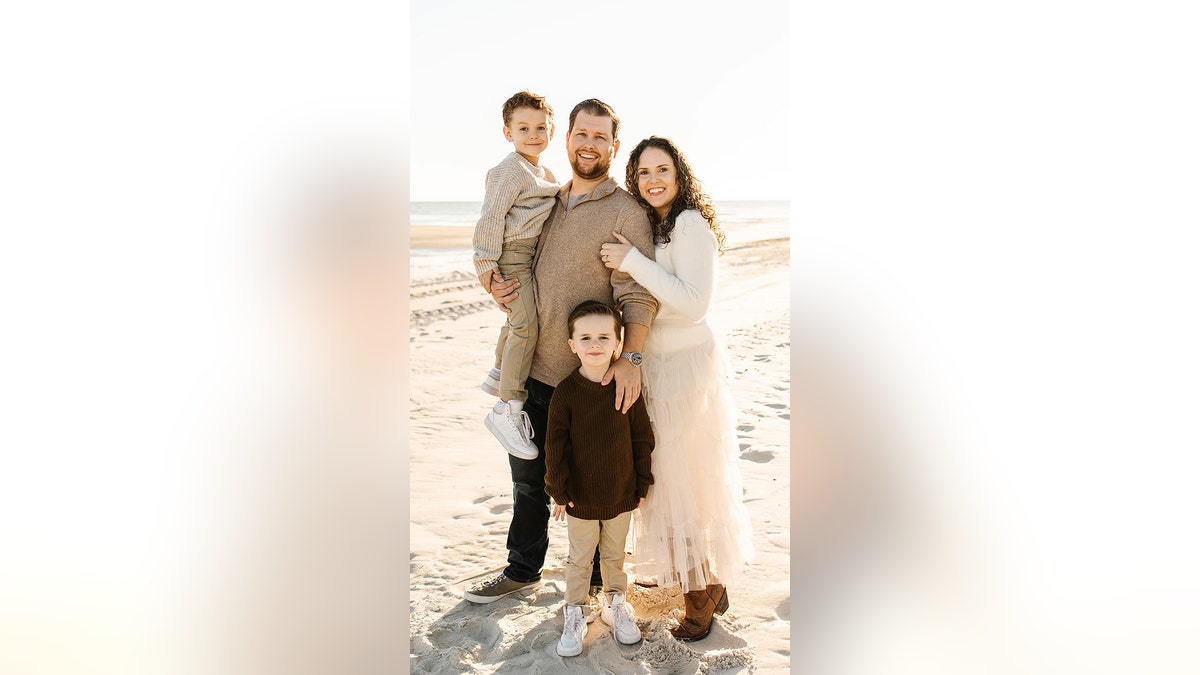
(516, 200)
(568, 270)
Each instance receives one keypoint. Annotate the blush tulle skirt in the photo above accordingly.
(693, 529)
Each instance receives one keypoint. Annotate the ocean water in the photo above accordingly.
(741, 220)
(467, 213)
(444, 213)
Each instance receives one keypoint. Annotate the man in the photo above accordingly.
(568, 270)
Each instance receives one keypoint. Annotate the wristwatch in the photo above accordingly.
(634, 357)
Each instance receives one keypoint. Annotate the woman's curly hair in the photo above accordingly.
(691, 195)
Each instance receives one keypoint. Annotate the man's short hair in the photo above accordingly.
(526, 99)
(594, 106)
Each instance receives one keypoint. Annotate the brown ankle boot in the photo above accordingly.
(699, 607)
(720, 597)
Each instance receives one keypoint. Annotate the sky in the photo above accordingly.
(714, 80)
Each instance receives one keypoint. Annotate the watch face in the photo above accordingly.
(635, 358)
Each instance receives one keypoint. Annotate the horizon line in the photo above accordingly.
(480, 201)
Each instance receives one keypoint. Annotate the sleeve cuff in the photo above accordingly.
(637, 312)
(631, 261)
(482, 266)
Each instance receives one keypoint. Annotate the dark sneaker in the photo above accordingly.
(495, 588)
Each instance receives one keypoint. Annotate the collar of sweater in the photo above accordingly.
(585, 382)
(602, 190)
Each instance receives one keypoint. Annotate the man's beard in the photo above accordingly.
(603, 163)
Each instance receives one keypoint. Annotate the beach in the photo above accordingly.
(461, 491)
(439, 237)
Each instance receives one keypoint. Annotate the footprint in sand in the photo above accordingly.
(759, 456)
(482, 631)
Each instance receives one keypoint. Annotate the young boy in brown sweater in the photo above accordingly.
(597, 472)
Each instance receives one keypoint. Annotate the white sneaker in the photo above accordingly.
(620, 615)
(513, 430)
(491, 384)
(574, 628)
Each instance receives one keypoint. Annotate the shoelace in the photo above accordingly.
(621, 613)
(490, 583)
(524, 426)
(573, 621)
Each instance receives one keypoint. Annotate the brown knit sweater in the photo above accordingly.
(596, 456)
(568, 270)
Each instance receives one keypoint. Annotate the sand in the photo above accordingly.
(461, 490)
(434, 237)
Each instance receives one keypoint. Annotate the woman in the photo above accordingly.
(693, 530)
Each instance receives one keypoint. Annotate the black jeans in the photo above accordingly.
(528, 534)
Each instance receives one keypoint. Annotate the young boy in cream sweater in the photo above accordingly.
(519, 194)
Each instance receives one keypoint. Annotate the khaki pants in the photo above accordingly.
(518, 337)
(583, 536)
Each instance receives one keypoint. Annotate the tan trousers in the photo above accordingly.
(518, 337)
(583, 536)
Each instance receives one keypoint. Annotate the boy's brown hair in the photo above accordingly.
(526, 99)
(590, 307)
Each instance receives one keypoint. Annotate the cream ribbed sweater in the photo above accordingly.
(683, 272)
(517, 198)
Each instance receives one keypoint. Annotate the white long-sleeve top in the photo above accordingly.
(683, 274)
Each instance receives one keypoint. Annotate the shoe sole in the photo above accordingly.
(618, 637)
(574, 652)
(519, 454)
(694, 639)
